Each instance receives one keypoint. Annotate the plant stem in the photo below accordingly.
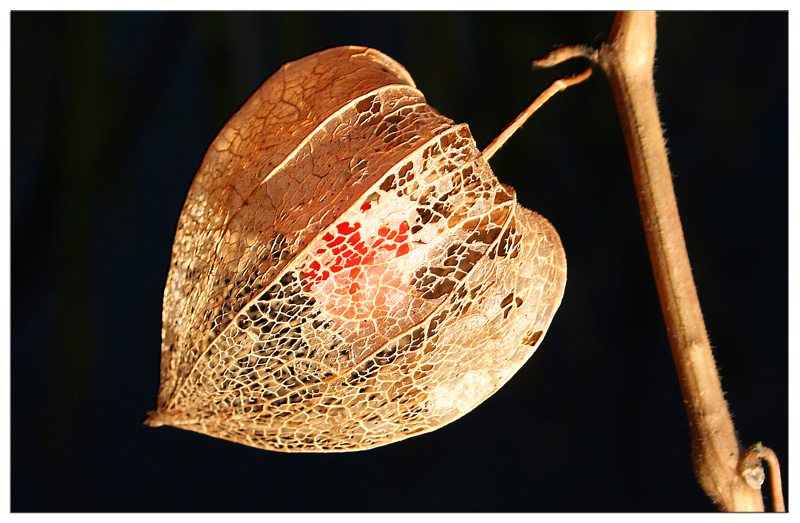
(627, 59)
(555, 88)
(731, 477)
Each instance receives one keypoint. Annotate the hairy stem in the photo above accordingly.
(627, 59)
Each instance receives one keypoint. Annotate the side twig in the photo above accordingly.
(751, 470)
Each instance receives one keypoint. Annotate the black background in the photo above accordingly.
(111, 115)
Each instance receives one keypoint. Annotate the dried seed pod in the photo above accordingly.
(347, 271)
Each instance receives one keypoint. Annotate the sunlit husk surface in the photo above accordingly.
(347, 270)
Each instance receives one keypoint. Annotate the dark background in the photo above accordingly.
(111, 115)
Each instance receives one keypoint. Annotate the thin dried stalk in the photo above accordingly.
(555, 88)
(751, 470)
